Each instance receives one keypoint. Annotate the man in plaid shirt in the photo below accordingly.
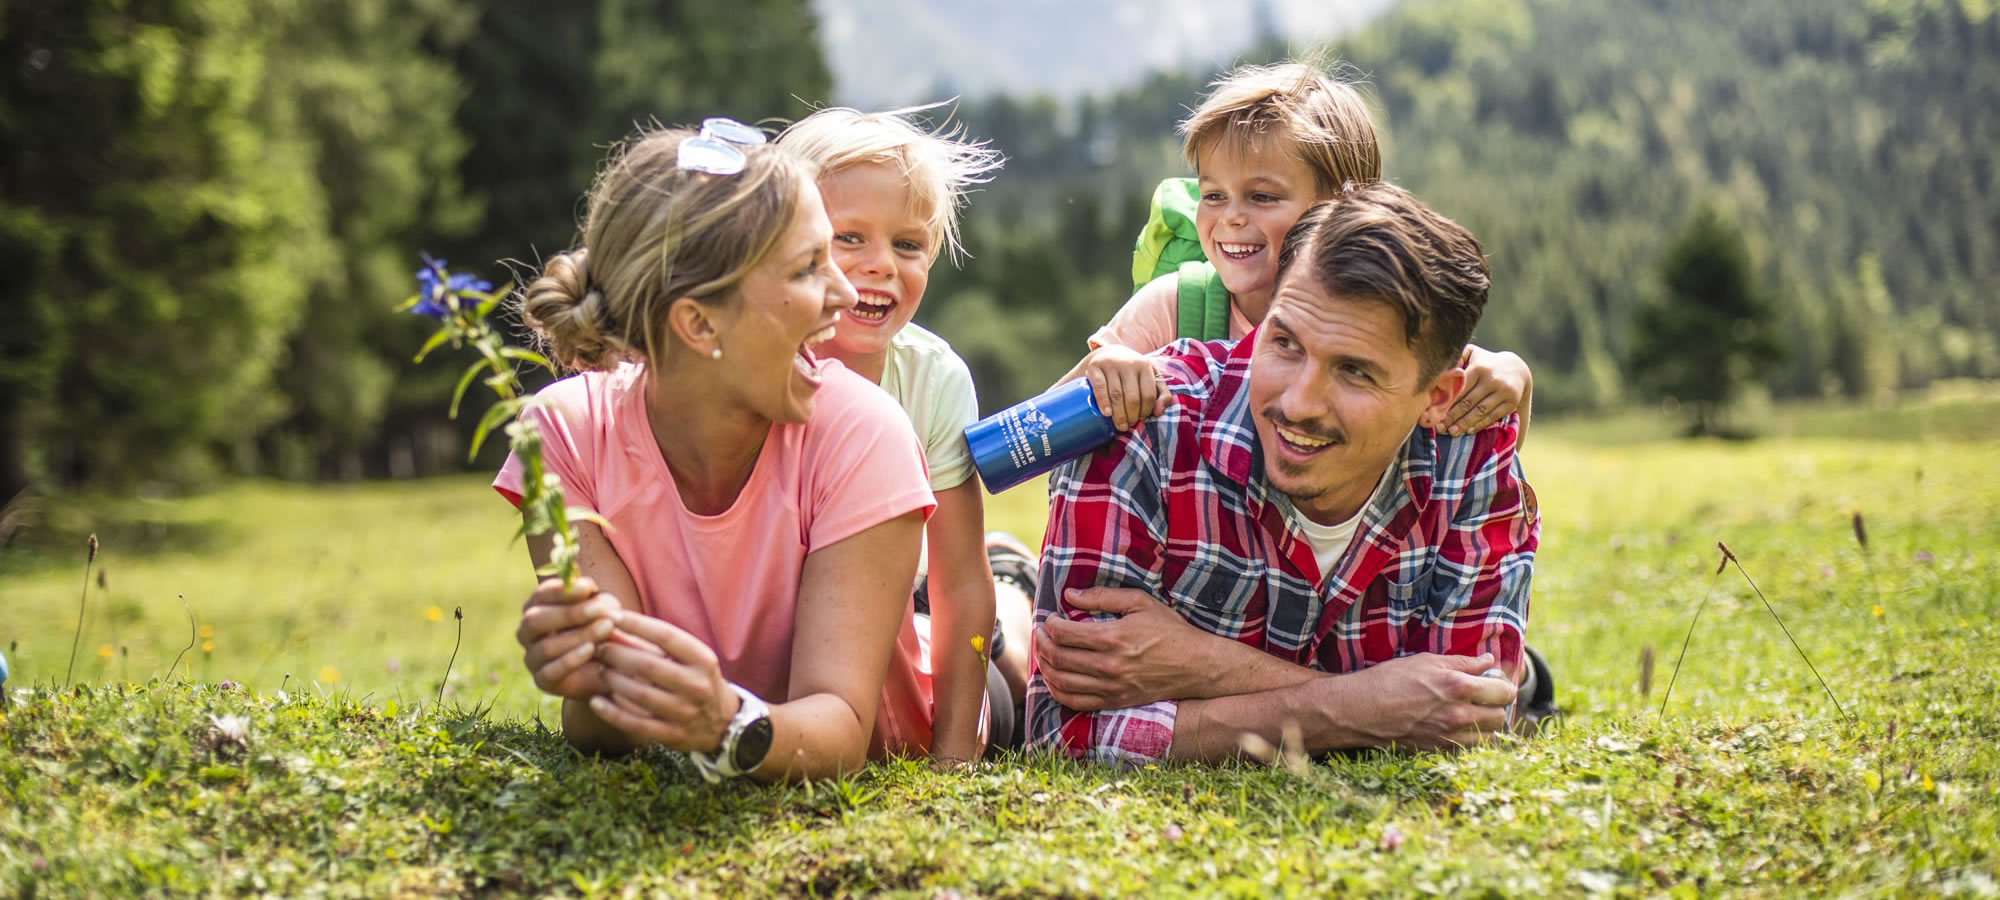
(1283, 553)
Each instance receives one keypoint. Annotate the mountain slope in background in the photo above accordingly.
(1852, 140)
(890, 52)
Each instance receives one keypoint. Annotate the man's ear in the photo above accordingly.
(1443, 392)
(692, 324)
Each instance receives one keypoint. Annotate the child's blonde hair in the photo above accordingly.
(655, 232)
(940, 165)
(1324, 118)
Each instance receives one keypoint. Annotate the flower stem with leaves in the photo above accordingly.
(462, 305)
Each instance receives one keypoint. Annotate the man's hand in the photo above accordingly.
(1428, 701)
(560, 633)
(675, 696)
(1138, 658)
(1125, 384)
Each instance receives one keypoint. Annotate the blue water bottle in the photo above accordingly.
(1036, 435)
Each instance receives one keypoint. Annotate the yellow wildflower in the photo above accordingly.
(329, 675)
(208, 631)
(433, 614)
(104, 651)
(208, 646)
(978, 643)
(1928, 784)
(1877, 610)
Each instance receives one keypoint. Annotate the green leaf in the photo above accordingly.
(528, 356)
(496, 416)
(437, 339)
(492, 300)
(464, 381)
(580, 514)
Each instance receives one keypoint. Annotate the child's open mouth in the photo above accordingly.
(872, 308)
(805, 361)
(1239, 252)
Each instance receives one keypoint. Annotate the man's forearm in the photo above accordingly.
(1228, 668)
(1213, 729)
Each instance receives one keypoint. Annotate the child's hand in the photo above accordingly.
(1124, 384)
(1495, 386)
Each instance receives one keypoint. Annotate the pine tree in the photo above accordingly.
(1713, 331)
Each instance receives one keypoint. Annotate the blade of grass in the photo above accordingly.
(1712, 580)
(77, 638)
(1729, 557)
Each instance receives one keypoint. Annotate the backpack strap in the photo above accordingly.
(1202, 310)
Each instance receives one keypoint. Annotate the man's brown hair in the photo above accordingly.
(1377, 242)
(1322, 119)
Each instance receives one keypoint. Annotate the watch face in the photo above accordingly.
(752, 745)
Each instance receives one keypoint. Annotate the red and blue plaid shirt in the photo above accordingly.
(1179, 507)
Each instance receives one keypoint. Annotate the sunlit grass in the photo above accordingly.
(1752, 780)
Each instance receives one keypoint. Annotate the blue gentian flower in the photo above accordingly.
(438, 290)
(432, 282)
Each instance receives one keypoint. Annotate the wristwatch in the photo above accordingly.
(745, 740)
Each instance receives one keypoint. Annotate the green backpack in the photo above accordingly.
(1169, 243)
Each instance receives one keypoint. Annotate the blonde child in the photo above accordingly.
(1267, 143)
(893, 191)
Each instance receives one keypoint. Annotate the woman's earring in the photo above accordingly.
(715, 353)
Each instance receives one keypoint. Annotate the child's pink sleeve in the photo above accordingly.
(1146, 322)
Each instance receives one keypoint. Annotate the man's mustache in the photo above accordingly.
(1321, 432)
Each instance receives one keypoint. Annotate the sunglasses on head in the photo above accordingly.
(718, 149)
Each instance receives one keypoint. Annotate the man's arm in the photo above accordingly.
(1420, 702)
(1487, 557)
(1146, 654)
(1107, 526)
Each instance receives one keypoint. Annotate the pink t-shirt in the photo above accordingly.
(1151, 319)
(732, 580)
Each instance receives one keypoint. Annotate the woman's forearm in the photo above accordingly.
(815, 736)
(586, 732)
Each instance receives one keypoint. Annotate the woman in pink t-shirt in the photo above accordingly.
(748, 600)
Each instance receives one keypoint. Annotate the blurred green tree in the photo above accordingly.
(1713, 331)
(367, 88)
(152, 228)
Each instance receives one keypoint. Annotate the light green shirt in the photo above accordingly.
(932, 384)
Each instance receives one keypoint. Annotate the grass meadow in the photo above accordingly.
(331, 612)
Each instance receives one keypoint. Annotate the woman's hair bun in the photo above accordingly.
(571, 315)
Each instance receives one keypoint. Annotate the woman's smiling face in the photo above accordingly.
(884, 247)
(789, 302)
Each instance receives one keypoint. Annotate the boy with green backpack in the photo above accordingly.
(1268, 142)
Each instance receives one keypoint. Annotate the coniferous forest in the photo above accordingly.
(208, 211)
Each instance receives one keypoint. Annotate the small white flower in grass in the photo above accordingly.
(1594, 882)
(227, 734)
(1392, 838)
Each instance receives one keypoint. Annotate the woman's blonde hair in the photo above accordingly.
(940, 165)
(652, 234)
(1325, 121)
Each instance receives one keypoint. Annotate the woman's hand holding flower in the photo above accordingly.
(561, 632)
(676, 696)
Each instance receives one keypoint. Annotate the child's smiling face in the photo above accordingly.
(884, 246)
(1250, 196)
